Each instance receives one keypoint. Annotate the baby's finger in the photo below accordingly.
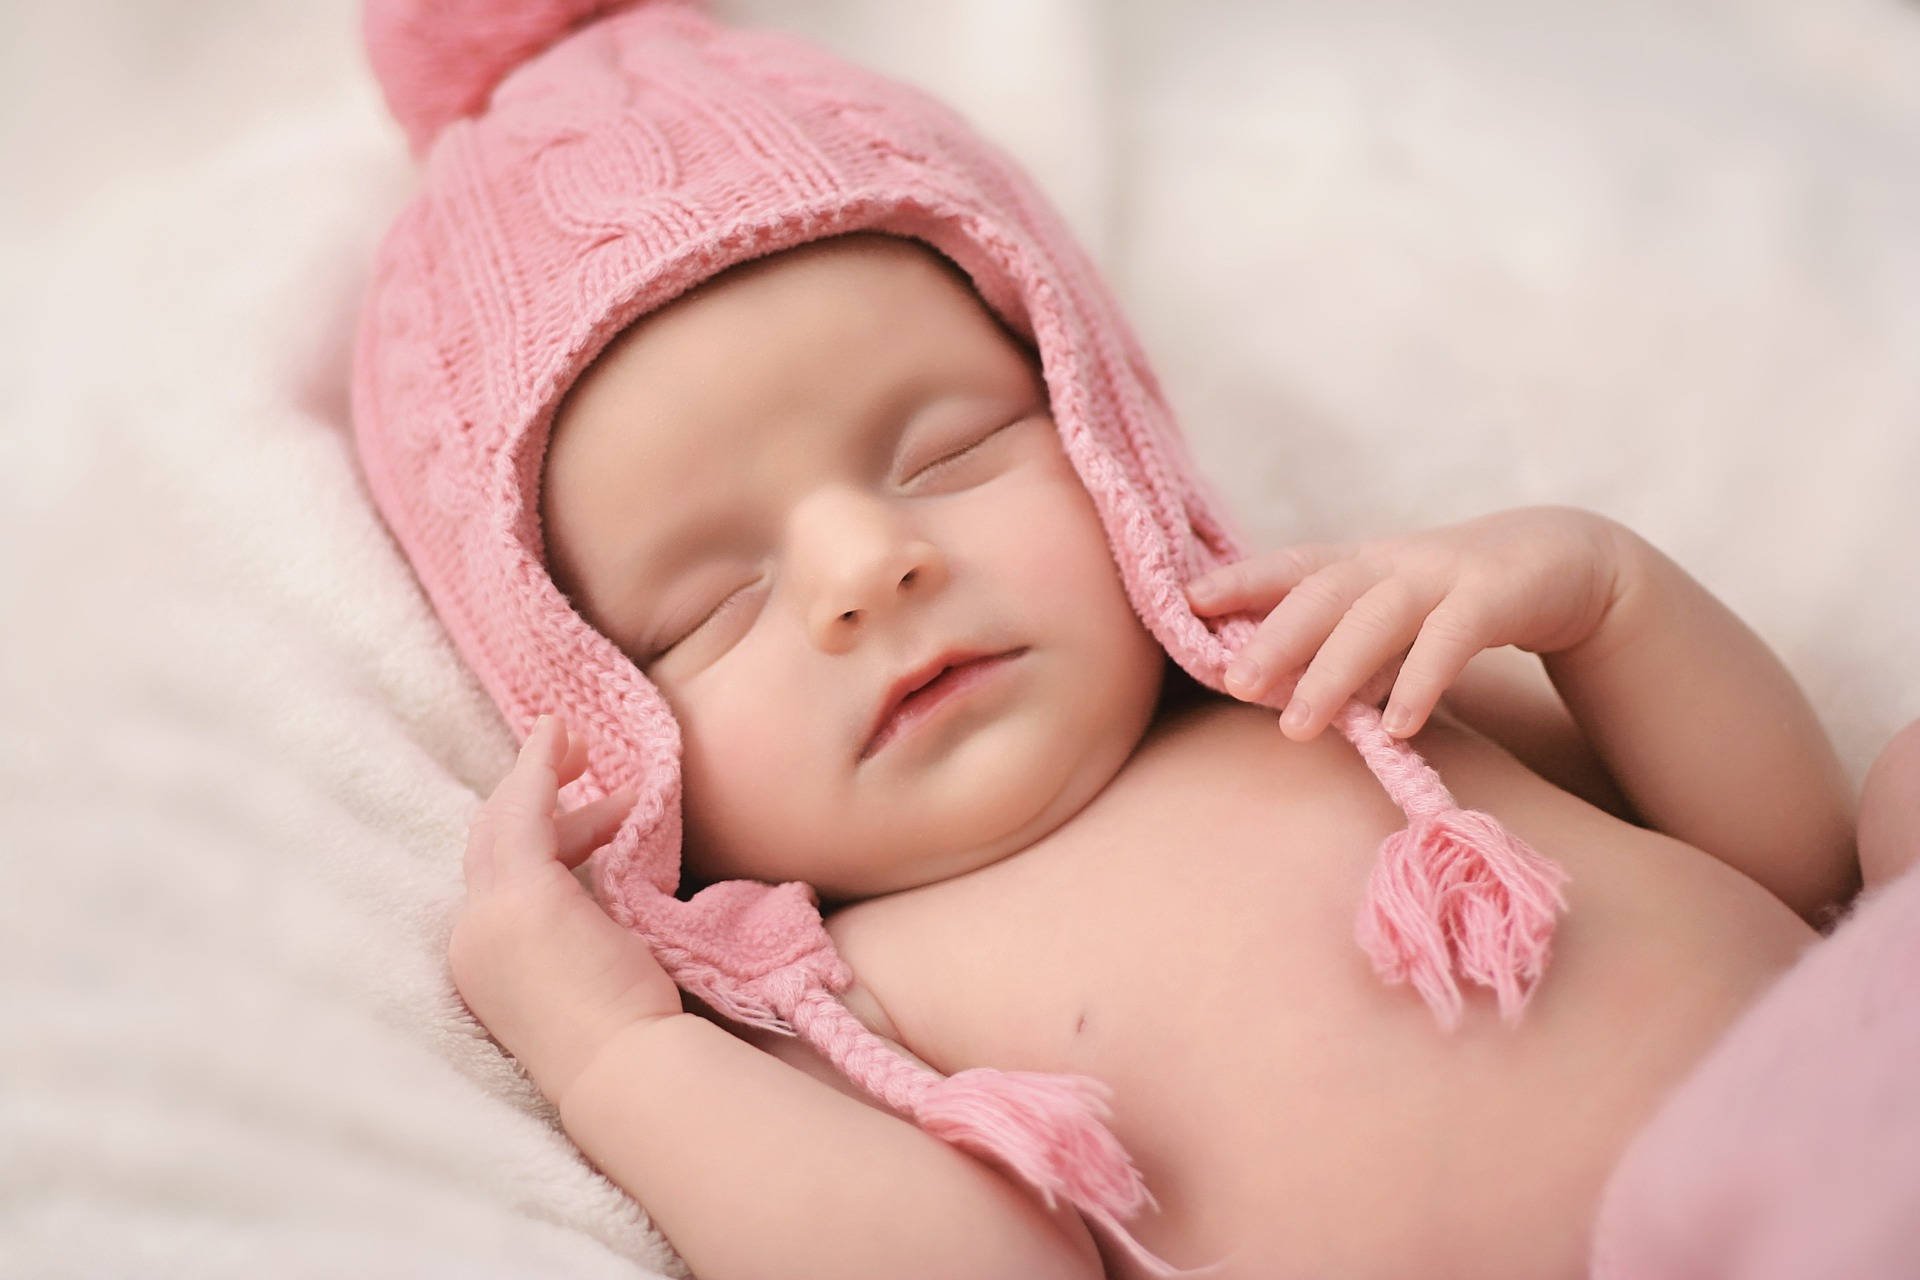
(521, 807)
(1259, 582)
(1376, 630)
(1294, 631)
(590, 826)
(1446, 643)
(573, 761)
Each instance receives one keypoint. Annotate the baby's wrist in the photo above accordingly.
(562, 1073)
(1632, 562)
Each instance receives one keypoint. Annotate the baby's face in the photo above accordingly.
(804, 488)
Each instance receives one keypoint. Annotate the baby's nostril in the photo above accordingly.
(910, 576)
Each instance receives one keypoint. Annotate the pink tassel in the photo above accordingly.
(1047, 1128)
(1455, 889)
(1051, 1131)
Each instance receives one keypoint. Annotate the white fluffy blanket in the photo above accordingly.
(1398, 263)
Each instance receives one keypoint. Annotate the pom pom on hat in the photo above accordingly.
(439, 60)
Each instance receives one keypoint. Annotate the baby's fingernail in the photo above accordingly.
(1243, 674)
(1398, 720)
(1298, 713)
(1203, 590)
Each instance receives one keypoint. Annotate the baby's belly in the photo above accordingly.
(1188, 939)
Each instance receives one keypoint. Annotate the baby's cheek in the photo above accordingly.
(1036, 524)
(749, 772)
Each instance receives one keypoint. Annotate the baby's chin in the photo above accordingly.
(922, 841)
(1010, 806)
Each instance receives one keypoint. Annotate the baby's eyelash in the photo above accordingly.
(966, 449)
(731, 599)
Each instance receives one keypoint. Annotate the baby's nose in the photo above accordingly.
(863, 560)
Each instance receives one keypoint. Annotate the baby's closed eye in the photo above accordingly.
(956, 459)
(728, 609)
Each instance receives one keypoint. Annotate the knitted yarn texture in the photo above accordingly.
(584, 164)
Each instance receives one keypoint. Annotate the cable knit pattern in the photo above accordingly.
(585, 164)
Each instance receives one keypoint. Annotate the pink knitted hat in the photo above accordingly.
(586, 163)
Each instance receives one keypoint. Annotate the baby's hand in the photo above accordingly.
(534, 956)
(1541, 578)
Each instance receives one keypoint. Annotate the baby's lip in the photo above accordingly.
(915, 679)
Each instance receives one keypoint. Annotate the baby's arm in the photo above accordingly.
(1708, 734)
(748, 1165)
(755, 1168)
(1699, 724)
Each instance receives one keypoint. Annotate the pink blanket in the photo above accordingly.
(1793, 1149)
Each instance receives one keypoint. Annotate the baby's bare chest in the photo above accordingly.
(1188, 940)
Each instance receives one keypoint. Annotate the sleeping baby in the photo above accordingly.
(782, 468)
